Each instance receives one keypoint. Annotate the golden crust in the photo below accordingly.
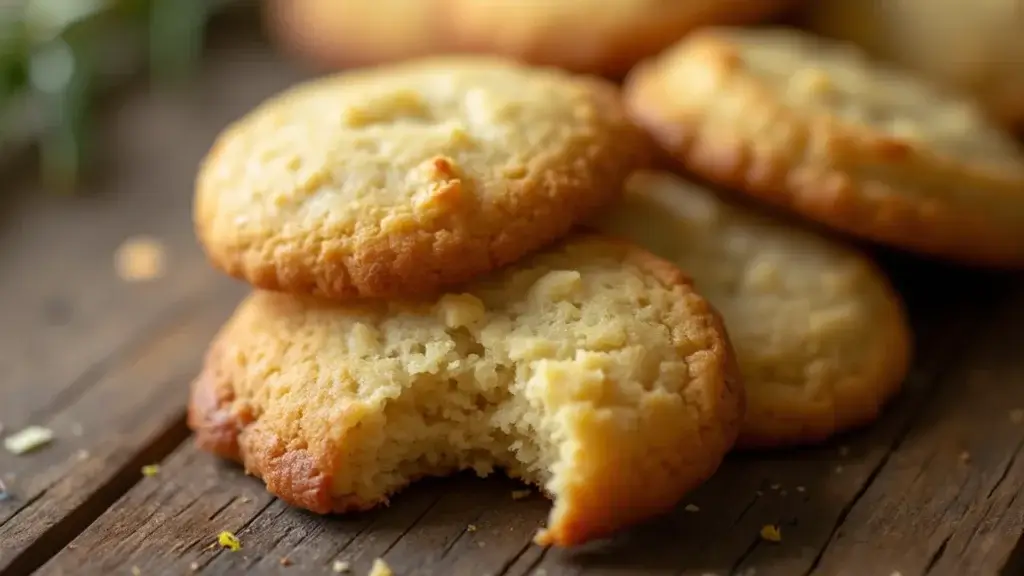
(821, 337)
(399, 181)
(595, 36)
(811, 126)
(264, 396)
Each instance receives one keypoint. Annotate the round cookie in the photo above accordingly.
(339, 33)
(976, 47)
(820, 337)
(811, 125)
(592, 370)
(598, 36)
(401, 180)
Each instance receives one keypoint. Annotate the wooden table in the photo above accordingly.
(931, 488)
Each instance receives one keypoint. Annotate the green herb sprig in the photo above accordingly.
(56, 54)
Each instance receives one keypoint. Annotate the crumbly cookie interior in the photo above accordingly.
(560, 372)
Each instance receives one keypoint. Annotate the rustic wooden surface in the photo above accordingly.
(930, 489)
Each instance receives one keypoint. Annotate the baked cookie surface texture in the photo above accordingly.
(596, 36)
(820, 337)
(400, 180)
(813, 126)
(592, 370)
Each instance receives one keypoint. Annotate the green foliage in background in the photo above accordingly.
(53, 53)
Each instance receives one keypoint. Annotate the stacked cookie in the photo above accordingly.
(423, 305)
(469, 263)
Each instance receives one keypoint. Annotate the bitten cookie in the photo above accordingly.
(592, 370)
(810, 125)
(976, 47)
(820, 337)
(598, 36)
(338, 33)
(401, 180)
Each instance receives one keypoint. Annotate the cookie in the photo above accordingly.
(341, 33)
(974, 47)
(821, 338)
(813, 126)
(597, 36)
(400, 180)
(592, 370)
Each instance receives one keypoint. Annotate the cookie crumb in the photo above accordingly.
(245, 500)
(29, 439)
(151, 470)
(520, 494)
(692, 508)
(381, 568)
(139, 259)
(771, 533)
(340, 567)
(230, 541)
(194, 566)
(285, 561)
(1017, 416)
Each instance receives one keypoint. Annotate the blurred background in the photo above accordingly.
(60, 58)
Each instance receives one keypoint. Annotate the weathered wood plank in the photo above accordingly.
(946, 501)
(100, 361)
(474, 527)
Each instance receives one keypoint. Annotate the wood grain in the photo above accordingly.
(81, 349)
(469, 526)
(100, 361)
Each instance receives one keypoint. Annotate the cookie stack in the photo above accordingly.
(469, 263)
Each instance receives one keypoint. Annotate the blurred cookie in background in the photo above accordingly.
(816, 127)
(821, 337)
(976, 47)
(595, 36)
(344, 33)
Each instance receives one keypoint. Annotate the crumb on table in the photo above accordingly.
(139, 259)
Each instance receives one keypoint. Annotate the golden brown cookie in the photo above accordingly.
(820, 337)
(811, 125)
(592, 370)
(339, 33)
(597, 36)
(401, 180)
(976, 47)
